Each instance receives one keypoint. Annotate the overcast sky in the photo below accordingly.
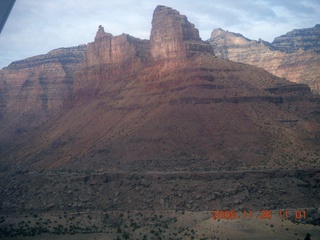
(38, 26)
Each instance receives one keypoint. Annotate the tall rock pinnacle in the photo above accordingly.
(173, 36)
(101, 33)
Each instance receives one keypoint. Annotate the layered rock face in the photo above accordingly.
(42, 82)
(169, 103)
(167, 100)
(107, 49)
(305, 39)
(173, 36)
(294, 56)
(147, 123)
(34, 89)
(109, 56)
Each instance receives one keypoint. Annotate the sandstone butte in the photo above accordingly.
(294, 56)
(165, 104)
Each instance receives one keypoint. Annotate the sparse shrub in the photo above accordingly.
(126, 235)
(307, 237)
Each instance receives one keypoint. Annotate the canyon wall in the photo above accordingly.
(294, 56)
(158, 104)
(173, 39)
(40, 83)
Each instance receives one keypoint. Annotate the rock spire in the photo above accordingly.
(172, 35)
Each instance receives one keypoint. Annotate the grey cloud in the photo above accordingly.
(297, 7)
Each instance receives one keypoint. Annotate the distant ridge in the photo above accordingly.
(294, 56)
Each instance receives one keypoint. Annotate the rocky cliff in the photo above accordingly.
(173, 36)
(294, 56)
(307, 39)
(173, 39)
(110, 50)
(159, 124)
(110, 56)
(33, 89)
(42, 82)
(169, 103)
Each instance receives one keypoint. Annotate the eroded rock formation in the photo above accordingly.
(167, 103)
(173, 39)
(109, 56)
(173, 36)
(294, 56)
(158, 124)
(305, 39)
(40, 83)
(167, 100)
(34, 89)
